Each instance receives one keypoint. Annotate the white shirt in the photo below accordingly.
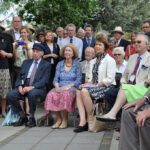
(59, 41)
(17, 35)
(122, 67)
(32, 66)
(76, 41)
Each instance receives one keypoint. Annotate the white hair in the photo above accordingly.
(121, 49)
(81, 30)
(91, 48)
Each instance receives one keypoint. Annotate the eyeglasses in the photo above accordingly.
(117, 54)
(138, 42)
(146, 27)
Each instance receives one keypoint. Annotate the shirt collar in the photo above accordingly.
(143, 55)
(37, 61)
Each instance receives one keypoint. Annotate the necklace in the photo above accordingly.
(68, 65)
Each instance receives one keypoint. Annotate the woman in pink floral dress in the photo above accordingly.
(67, 79)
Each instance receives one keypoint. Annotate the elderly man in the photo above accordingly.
(35, 74)
(118, 34)
(135, 124)
(146, 27)
(14, 32)
(136, 72)
(72, 39)
(80, 33)
(88, 40)
(59, 32)
(89, 55)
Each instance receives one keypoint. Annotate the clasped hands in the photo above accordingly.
(60, 89)
(141, 115)
(25, 90)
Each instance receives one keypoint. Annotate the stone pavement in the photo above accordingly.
(45, 138)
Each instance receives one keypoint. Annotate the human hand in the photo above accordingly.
(27, 89)
(16, 45)
(3, 53)
(58, 89)
(138, 103)
(142, 116)
(21, 91)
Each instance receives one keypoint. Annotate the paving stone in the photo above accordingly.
(83, 147)
(17, 147)
(51, 146)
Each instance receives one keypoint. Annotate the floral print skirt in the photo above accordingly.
(64, 100)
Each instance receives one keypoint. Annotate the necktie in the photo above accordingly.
(87, 71)
(71, 40)
(33, 73)
(89, 41)
(135, 69)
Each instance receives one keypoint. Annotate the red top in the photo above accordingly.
(108, 51)
(132, 50)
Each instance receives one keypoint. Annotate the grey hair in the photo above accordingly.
(146, 39)
(121, 49)
(112, 39)
(59, 28)
(71, 25)
(91, 48)
(81, 30)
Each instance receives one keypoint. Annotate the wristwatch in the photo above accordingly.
(147, 99)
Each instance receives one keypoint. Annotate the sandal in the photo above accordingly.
(63, 125)
(56, 125)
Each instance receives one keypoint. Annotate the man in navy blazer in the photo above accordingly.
(34, 85)
(88, 40)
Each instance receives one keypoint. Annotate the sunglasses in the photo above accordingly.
(138, 42)
(117, 54)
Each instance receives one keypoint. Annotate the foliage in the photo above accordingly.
(129, 14)
(54, 13)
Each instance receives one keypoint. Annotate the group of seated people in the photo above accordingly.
(64, 82)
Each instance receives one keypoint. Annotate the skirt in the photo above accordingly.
(133, 92)
(5, 82)
(64, 100)
(98, 92)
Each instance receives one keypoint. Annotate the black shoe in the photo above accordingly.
(81, 128)
(20, 122)
(31, 123)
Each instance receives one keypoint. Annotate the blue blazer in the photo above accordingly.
(48, 51)
(41, 76)
(85, 45)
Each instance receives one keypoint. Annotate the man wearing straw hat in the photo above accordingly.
(118, 34)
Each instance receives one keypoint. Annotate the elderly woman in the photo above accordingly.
(6, 50)
(51, 54)
(121, 64)
(67, 79)
(102, 78)
(112, 45)
(22, 50)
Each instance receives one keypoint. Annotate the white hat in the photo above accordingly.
(118, 29)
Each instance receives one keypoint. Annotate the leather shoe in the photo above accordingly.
(81, 128)
(106, 118)
(20, 122)
(31, 123)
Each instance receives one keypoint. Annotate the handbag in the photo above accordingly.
(94, 125)
(10, 117)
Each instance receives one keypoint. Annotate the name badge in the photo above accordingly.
(132, 77)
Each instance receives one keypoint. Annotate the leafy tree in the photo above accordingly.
(54, 13)
(129, 14)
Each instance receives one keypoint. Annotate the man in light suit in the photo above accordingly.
(72, 39)
(88, 40)
(14, 32)
(135, 124)
(141, 75)
(36, 73)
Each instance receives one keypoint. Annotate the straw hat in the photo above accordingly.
(75, 50)
(29, 26)
(118, 29)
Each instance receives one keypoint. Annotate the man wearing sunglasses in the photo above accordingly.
(136, 73)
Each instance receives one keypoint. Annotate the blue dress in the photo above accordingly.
(74, 75)
(64, 100)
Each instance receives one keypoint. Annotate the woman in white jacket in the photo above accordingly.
(102, 78)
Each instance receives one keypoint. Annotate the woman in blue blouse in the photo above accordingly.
(51, 54)
(67, 79)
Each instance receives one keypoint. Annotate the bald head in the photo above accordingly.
(89, 53)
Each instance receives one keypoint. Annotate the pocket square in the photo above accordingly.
(144, 67)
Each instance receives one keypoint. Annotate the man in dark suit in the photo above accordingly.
(88, 40)
(118, 34)
(14, 32)
(36, 73)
